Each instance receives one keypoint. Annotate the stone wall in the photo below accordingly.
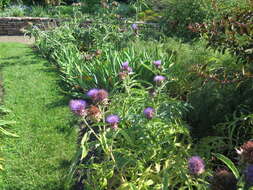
(17, 25)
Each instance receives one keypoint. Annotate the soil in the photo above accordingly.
(20, 39)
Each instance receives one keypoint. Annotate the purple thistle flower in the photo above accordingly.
(149, 112)
(125, 64)
(113, 120)
(196, 165)
(125, 67)
(98, 95)
(92, 93)
(159, 78)
(78, 107)
(134, 26)
(249, 175)
(157, 63)
(102, 95)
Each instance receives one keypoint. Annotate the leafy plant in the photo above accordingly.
(232, 32)
(4, 4)
(115, 159)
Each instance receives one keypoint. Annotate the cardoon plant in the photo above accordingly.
(78, 107)
(94, 113)
(134, 26)
(125, 67)
(149, 112)
(159, 79)
(196, 165)
(92, 93)
(98, 95)
(102, 96)
(113, 120)
(158, 63)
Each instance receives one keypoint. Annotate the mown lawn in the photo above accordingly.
(40, 158)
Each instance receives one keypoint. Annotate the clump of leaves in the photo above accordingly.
(233, 32)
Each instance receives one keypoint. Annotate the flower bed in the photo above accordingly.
(154, 112)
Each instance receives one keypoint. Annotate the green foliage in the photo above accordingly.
(120, 161)
(42, 2)
(41, 11)
(74, 50)
(228, 163)
(206, 95)
(4, 4)
(178, 14)
(232, 32)
(91, 6)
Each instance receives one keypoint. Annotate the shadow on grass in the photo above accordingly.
(9, 58)
(18, 60)
(67, 131)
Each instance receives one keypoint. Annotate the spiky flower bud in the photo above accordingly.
(196, 165)
(94, 113)
(78, 107)
(113, 120)
(158, 63)
(149, 112)
(159, 79)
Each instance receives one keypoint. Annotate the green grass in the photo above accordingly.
(40, 158)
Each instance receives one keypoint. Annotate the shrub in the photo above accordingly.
(231, 32)
(4, 4)
(178, 14)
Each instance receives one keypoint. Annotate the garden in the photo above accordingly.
(129, 95)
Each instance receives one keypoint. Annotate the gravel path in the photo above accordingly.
(20, 39)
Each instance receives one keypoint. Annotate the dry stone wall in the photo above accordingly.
(17, 25)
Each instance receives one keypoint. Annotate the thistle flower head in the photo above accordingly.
(125, 64)
(126, 67)
(102, 95)
(157, 63)
(149, 112)
(113, 120)
(123, 75)
(223, 180)
(196, 165)
(134, 26)
(249, 175)
(159, 78)
(92, 93)
(94, 113)
(246, 152)
(78, 107)
(98, 95)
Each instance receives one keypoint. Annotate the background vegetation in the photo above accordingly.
(203, 106)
